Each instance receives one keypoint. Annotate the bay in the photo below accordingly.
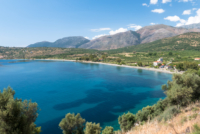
(100, 93)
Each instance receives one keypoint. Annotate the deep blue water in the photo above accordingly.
(99, 92)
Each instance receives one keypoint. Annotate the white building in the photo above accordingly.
(159, 61)
(197, 59)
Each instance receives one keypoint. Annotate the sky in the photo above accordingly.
(24, 22)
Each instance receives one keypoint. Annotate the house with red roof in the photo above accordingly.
(159, 61)
(197, 59)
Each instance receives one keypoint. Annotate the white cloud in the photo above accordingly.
(194, 19)
(120, 30)
(181, 22)
(158, 11)
(98, 36)
(185, 0)
(100, 29)
(165, 1)
(135, 27)
(145, 4)
(173, 18)
(194, 8)
(153, 2)
(87, 37)
(152, 23)
(187, 12)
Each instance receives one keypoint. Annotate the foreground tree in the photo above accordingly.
(92, 128)
(183, 89)
(72, 124)
(17, 116)
(126, 121)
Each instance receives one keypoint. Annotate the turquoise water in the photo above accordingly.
(99, 92)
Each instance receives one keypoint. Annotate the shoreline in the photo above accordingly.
(136, 67)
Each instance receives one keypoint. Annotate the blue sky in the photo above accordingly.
(23, 22)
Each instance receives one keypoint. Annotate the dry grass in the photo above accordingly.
(181, 124)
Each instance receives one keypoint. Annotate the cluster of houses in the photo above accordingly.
(1, 57)
(159, 63)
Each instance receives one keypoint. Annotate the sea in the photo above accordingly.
(100, 93)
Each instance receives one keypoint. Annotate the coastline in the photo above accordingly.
(136, 67)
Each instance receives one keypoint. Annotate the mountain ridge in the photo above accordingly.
(146, 34)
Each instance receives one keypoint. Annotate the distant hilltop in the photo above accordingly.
(130, 38)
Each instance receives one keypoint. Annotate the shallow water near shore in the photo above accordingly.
(99, 92)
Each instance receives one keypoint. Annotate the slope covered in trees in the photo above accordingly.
(187, 41)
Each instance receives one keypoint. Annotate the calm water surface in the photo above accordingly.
(99, 92)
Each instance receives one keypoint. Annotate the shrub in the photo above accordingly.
(126, 121)
(145, 114)
(196, 129)
(92, 128)
(72, 124)
(169, 113)
(108, 130)
(183, 89)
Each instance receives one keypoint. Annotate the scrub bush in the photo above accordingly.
(72, 124)
(108, 130)
(126, 121)
(92, 128)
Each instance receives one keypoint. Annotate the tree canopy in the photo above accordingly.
(72, 124)
(17, 116)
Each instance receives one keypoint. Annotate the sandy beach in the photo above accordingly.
(144, 68)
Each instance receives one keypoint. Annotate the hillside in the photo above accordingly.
(183, 123)
(119, 40)
(187, 41)
(67, 42)
(130, 38)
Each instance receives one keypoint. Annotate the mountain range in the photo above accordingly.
(130, 38)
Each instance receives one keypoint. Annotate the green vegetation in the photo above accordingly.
(181, 91)
(196, 129)
(108, 130)
(127, 121)
(17, 116)
(92, 128)
(72, 124)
